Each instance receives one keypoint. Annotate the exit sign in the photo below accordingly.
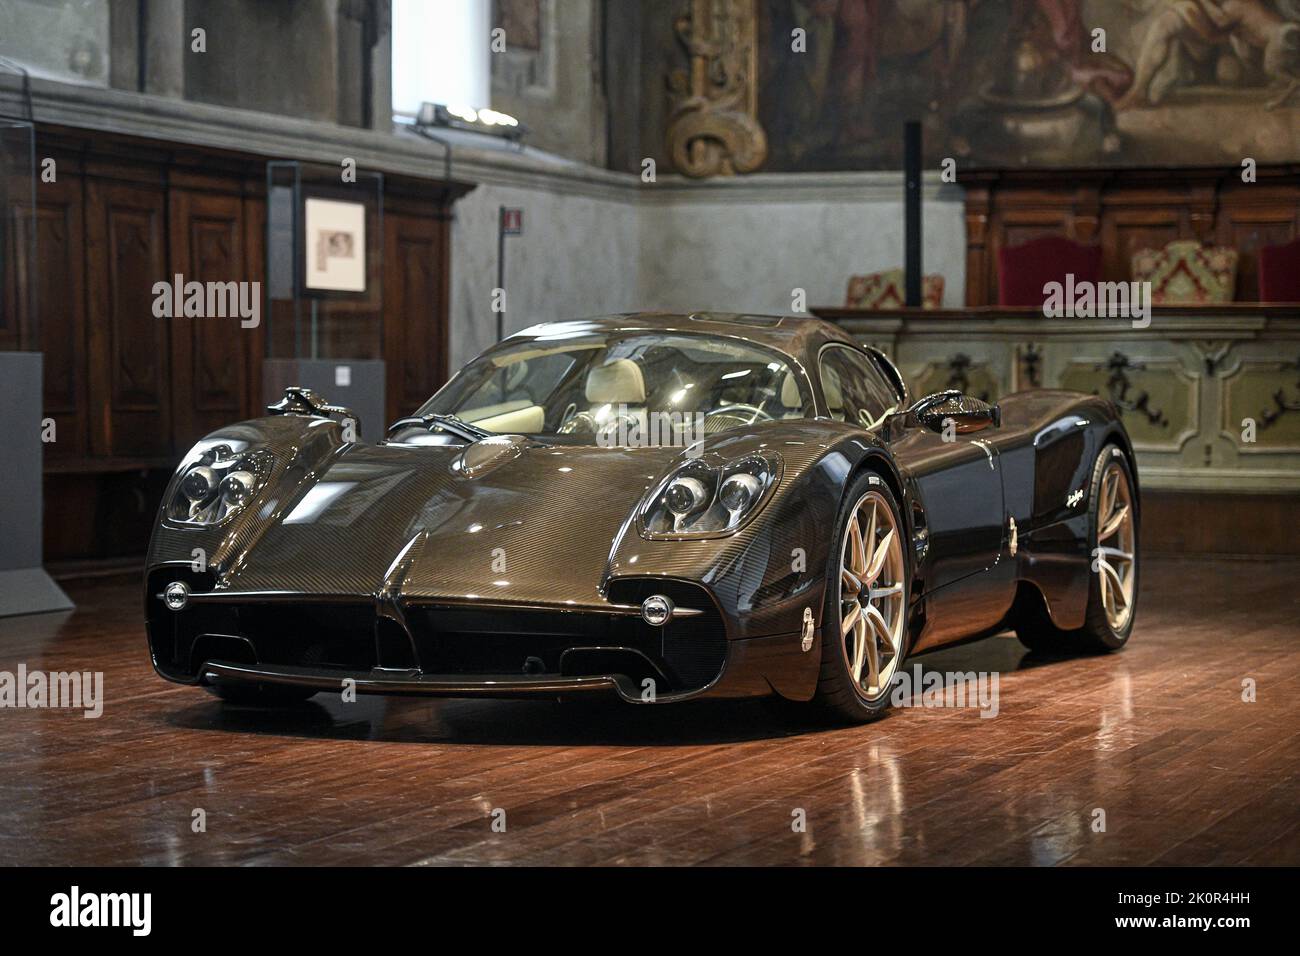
(512, 222)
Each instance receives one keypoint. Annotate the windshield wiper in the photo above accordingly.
(448, 423)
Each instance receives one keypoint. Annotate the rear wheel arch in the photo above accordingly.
(1118, 437)
(1031, 614)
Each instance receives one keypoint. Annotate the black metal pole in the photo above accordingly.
(912, 211)
(501, 270)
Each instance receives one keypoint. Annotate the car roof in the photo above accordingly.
(797, 336)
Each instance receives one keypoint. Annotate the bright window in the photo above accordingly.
(440, 53)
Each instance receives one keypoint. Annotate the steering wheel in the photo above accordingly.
(584, 423)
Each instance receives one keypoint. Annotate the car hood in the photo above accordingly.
(506, 519)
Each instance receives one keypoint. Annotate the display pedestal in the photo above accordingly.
(25, 588)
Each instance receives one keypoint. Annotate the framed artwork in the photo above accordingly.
(334, 246)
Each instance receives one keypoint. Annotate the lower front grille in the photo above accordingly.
(692, 648)
(685, 655)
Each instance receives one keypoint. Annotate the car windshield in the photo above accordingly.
(624, 388)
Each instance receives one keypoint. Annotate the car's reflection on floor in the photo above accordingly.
(1150, 755)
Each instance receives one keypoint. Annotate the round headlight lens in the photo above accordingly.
(709, 495)
(739, 491)
(199, 484)
(237, 487)
(685, 496)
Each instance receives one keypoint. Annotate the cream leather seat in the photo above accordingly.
(791, 400)
(833, 393)
(617, 388)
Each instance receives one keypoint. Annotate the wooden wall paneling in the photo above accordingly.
(17, 319)
(129, 212)
(129, 366)
(209, 355)
(415, 290)
(978, 210)
(1126, 230)
(254, 340)
(1251, 217)
(61, 311)
(13, 209)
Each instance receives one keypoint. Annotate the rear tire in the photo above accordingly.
(1112, 603)
(884, 542)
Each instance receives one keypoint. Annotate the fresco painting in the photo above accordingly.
(1030, 82)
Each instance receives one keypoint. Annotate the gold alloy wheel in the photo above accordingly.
(1116, 554)
(871, 595)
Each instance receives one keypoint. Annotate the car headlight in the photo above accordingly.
(218, 484)
(703, 498)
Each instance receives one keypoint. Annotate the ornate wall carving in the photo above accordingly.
(713, 129)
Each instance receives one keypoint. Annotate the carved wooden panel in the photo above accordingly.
(61, 308)
(129, 349)
(1126, 231)
(1246, 229)
(209, 354)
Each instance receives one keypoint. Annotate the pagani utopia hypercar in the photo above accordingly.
(656, 507)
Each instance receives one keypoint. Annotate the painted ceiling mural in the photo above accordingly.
(1029, 82)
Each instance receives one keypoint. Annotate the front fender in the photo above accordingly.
(297, 444)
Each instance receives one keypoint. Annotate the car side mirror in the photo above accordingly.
(966, 413)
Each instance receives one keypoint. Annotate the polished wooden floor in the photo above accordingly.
(1156, 736)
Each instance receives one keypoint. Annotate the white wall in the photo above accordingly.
(745, 245)
(602, 244)
(577, 257)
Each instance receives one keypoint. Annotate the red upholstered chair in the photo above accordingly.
(1024, 270)
(1279, 273)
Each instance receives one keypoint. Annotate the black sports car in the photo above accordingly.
(660, 507)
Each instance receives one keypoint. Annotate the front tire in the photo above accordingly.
(864, 616)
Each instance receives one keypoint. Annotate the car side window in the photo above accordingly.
(854, 388)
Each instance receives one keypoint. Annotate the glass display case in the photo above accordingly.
(324, 286)
(25, 588)
(18, 316)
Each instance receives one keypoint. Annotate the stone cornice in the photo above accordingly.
(201, 124)
(276, 137)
